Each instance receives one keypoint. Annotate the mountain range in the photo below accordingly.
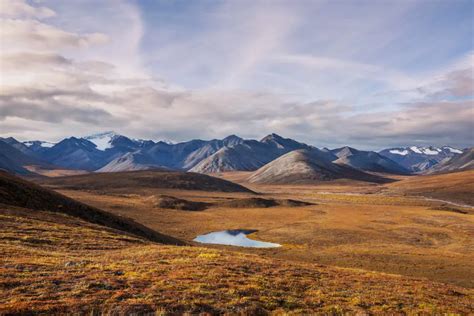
(112, 152)
(419, 159)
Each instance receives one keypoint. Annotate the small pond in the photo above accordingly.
(236, 237)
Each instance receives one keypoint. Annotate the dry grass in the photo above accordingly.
(53, 263)
(391, 234)
(456, 186)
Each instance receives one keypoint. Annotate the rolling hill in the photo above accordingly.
(19, 193)
(145, 179)
(58, 256)
(454, 186)
(307, 166)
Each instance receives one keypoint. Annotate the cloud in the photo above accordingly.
(31, 34)
(19, 8)
(241, 72)
(457, 83)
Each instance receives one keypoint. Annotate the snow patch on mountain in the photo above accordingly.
(416, 149)
(41, 143)
(431, 151)
(102, 141)
(399, 152)
(453, 150)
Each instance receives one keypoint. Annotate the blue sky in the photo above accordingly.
(370, 74)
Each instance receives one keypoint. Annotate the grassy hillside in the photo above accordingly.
(455, 186)
(20, 193)
(54, 263)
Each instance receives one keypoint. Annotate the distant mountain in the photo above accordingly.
(367, 161)
(75, 153)
(461, 162)
(418, 159)
(307, 166)
(130, 162)
(14, 160)
(18, 145)
(110, 151)
(186, 155)
(38, 147)
(110, 141)
(248, 155)
(239, 157)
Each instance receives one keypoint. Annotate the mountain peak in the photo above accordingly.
(102, 141)
(272, 136)
(102, 134)
(232, 137)
(345, 151)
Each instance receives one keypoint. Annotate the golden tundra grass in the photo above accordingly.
(52, 263)
(370, 230)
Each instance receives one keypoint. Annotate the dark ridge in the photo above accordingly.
(145, 179)
(171, 202)
(21, 193)
(261, 203)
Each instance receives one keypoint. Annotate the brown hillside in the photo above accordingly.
(21, 193)
(145, 179)
(456, 186)
(52, 263)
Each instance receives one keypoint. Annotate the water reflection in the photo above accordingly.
(236, 237)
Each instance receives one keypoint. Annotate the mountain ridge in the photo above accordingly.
(112, 152)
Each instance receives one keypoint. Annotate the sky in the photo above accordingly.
(371, 74)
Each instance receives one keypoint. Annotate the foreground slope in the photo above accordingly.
(307, 166)
(145, 179)
(18, 193)
(52, 263)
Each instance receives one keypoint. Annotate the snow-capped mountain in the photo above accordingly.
(420, 158)
(102, 141)
(110, 151)
(461, 162)
(38, 143)
(38, 146)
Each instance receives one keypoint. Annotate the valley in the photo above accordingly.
(109, 224)
(346, 223)
(126, 246)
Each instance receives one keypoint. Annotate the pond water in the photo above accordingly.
(236, 237)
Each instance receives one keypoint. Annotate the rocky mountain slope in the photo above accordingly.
(15, 161)
(248, 155)
(418, 159)
(461, 162)
(307, 166)
(367, 161)
(112, 152)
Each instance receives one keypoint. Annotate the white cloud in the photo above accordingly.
(19, 8)
(61, 78)
(18, 35)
